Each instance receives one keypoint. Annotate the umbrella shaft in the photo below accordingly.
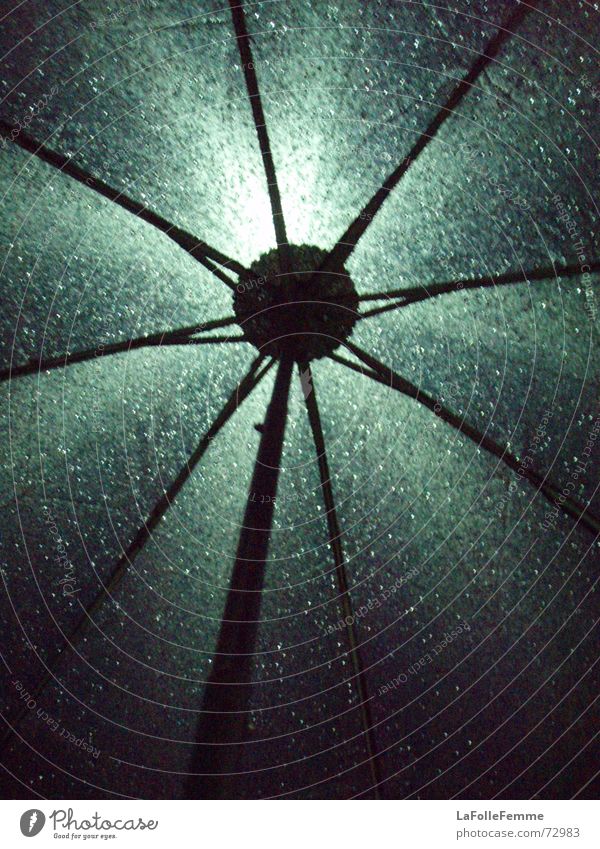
(224, 717)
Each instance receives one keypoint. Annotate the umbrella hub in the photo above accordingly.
(306, 314)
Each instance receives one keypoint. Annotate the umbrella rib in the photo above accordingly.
(208, 340)
(348, 241)
(241, 392)
(180, 336)
(335, 541)
(415, 294)
(243, 41)
(229, 686)
(199, 250)
(383, 374)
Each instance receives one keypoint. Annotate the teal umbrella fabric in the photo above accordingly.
(300, 400)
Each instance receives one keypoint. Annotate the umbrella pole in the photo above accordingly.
(222, 725)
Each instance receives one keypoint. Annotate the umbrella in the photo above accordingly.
(300, 310)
